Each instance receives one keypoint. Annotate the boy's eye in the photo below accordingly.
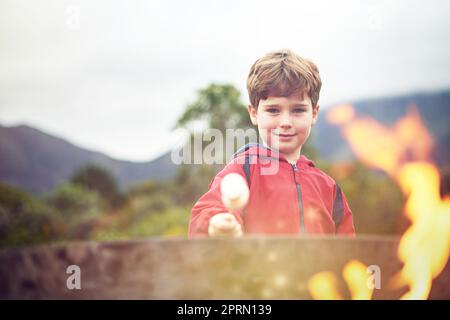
(272, 110)
(299, 110)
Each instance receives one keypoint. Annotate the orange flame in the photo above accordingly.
(324, 285)
(425, 245)
(402, 151)
(384, 148)
(357, 278)
(340, 115)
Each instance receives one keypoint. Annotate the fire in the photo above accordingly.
(324, 285)
(425, 246)
(341, 114)
(403, 152)
(356, 275)
(381, 147)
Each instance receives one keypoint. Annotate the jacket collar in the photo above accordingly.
(261, 150)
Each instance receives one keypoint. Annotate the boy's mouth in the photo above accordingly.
(285, 135)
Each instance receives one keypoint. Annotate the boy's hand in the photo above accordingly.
(224, 225)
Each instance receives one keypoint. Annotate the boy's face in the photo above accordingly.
(284, 123)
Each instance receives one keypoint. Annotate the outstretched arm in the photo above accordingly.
(225, 222)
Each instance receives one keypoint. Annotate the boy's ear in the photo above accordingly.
(315, 114)
(252, 113)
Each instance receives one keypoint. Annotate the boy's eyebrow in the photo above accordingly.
(292, 105)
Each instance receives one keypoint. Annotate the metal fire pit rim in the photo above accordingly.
(155, 240)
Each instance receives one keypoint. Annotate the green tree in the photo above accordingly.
(220, 106)
(23, 218)
(73, 201)
(150, 197)
(99, 179)
(191, 182)
(79, 208)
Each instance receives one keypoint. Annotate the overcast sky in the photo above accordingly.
(114, 76)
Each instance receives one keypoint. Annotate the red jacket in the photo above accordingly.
(297, 199)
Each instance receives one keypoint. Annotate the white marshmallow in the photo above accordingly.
(234, 191)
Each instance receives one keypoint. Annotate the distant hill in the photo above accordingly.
(434, 109)
(37, 161)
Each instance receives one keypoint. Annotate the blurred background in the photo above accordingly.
(95, 95)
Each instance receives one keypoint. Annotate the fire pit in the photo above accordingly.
(247, 268)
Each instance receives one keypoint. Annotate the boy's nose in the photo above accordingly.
(285, 121)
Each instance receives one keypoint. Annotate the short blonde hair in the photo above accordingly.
(283, 73)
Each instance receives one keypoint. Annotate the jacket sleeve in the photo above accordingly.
(346, 226)
(211, 203)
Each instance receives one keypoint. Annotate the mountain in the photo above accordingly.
(434, 108)
(37, 161)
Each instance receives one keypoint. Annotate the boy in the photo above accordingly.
(296, 198)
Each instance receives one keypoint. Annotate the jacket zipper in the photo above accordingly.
(299, 199)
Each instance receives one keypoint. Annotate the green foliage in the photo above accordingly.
(24, 219)
(375, 200)
(100, 180)
(72, 212)
(152, 210)
(150, 196)
(191, 182)
(75, 203)
(170, 222)
(220, 106)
